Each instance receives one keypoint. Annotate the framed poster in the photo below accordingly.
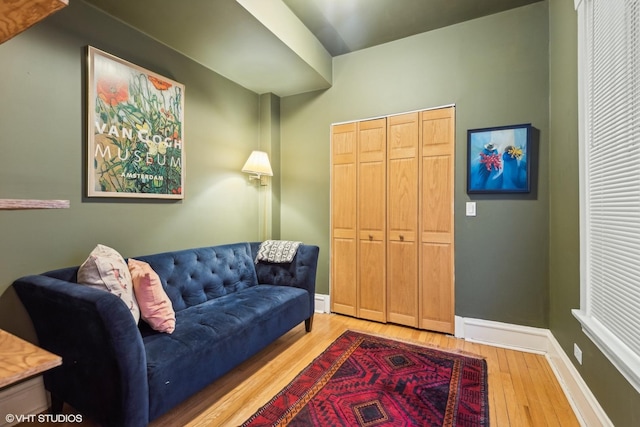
(135, 131)
(497, 159)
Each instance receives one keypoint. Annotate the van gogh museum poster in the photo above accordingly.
(135, 126)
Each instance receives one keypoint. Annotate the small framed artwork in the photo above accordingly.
(497, 159)
(135, 144)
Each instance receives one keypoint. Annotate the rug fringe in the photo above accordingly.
(456, 351)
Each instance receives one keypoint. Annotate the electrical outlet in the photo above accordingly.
(577, 353)
(471, 208)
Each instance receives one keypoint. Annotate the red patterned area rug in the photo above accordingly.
(364, 380)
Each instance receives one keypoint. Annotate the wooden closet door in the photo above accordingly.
(371, 219)
(343, 219)
(402, 218)
(437, 309)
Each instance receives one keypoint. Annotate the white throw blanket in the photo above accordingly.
(279, 251)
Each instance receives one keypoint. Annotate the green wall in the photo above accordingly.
(42, 123)
(619, 399)
(270, 142)
(495, 70)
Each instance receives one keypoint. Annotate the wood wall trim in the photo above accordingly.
(15, 204)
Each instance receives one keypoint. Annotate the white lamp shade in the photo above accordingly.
(258, 163)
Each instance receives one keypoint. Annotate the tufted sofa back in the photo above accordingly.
(193, 276)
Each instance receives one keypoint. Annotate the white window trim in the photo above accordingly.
(627, 362)
(620, 355)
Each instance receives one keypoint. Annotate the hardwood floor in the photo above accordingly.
(523, 390)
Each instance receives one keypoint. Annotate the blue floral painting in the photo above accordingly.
(498, 159)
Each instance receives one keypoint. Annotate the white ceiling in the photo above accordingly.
(286, 47)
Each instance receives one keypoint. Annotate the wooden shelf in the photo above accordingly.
(18, 15)
(20, 359)
(14, 204)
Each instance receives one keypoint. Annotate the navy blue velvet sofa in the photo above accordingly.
(120, 373)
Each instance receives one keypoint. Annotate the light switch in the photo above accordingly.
(471, 208)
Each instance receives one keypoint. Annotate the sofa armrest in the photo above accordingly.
(301, 272)
(103, 372)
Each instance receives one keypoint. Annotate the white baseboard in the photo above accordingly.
(580, 397)
(322, 304)
(25, 399)
(522, 338)
(541, 341)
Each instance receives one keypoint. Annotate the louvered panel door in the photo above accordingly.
(436, 220)
(402, 219)
(372, 219)
(344, 295)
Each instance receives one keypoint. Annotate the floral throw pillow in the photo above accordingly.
(107, 270)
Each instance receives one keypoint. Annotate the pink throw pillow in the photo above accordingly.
(155, 305)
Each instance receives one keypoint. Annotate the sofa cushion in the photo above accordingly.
(193, 276)
(207, 337)
(105, 269)
(155, 306)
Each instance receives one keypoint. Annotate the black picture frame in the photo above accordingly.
(499, 159)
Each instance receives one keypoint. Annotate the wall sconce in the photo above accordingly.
(258, 165)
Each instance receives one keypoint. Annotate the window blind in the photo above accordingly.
(610, 229)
